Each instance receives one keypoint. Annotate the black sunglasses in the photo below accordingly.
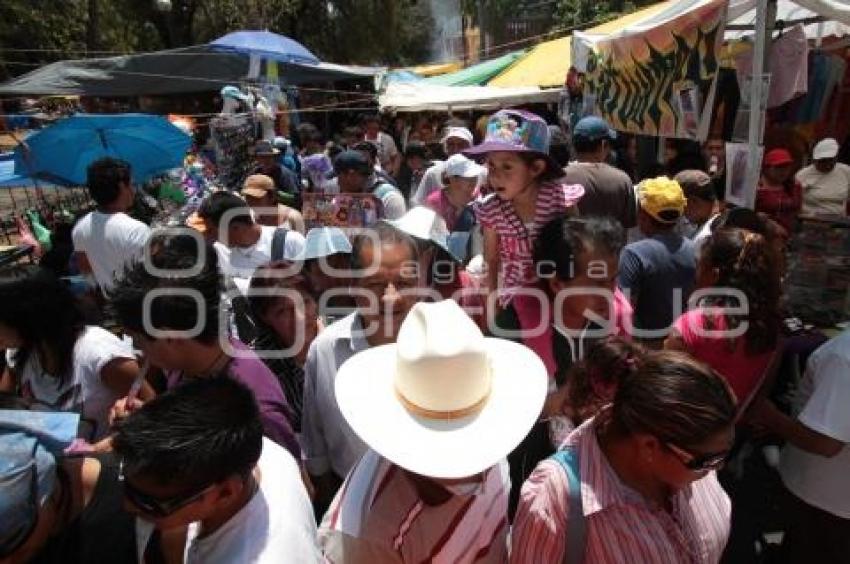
(17, 539)
(699, 462)
(153, 506)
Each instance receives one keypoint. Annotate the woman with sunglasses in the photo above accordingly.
(636, 482)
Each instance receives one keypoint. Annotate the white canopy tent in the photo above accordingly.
(821, 17)
(790, 13)
(419, 97)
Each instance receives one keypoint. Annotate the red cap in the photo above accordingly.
(778, 157)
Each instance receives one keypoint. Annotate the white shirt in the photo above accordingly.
(276, 526)
(240, 262)
(328, 441)
(825, 194)
(82, 391)
(110, 241)
(825, 395)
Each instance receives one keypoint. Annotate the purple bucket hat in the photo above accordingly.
(516, 131)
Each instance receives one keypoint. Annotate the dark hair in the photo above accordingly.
(563, 238)
(353, 131)
(270, 277)
(746, 263)
(675, 398)
(104, 178)
(382, 233)
(582, 144)
(549, 173)
(195, 435)
(41, 309)
(333, 150)
(303, 132)
(743, 218)
(366, 147)
(608, 362)
(371, 118)
(416, 149)
(219, 203)
(173, 309)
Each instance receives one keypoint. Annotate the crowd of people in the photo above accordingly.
(525, 356)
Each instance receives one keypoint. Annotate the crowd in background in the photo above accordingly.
(539, 348)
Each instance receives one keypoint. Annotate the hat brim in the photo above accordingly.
(451, 448)
(478, 151)
(256, 192)
(825, 156)
(272, 153)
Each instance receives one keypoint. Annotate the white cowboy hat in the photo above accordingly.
(443, 401)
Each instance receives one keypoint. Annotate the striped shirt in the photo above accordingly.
(622, 526)
(377, 516)
(516, 239)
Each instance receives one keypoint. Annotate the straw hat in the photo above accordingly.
(443, 401)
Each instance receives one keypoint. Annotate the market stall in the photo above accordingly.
(420, 97)
(666, 75)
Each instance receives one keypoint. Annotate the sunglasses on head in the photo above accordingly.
(156, 507)
(699, 462)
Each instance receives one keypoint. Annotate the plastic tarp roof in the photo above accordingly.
(434, 69)
(9, 179)
(189, 69)
(546, 64)
(476, 74)
(420, 97)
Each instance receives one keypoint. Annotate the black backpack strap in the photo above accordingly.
(279, 244)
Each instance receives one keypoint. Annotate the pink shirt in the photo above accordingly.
(516, 239)
(621, 525)
(742, 371)
(439, 202)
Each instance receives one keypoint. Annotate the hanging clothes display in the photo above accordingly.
(789, 66)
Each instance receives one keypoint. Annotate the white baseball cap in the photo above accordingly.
(459, 133)
(826, 149)
(459, 165)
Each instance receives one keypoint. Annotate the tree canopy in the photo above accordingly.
(35, 32)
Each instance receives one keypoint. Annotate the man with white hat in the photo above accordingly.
(439, 410)
(456, 140)
(826, 182)
(385, 286)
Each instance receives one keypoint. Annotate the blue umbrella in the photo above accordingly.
(265, 44)
(64, 150)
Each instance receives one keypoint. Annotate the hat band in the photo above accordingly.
(443, 415)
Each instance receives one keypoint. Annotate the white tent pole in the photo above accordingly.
(754, 139)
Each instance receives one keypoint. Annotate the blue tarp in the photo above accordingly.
(8, 178)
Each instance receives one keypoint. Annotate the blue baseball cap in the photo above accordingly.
(29, 441)
(594, 128)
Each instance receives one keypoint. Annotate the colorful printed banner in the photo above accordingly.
(341, 210)
(657, 77)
